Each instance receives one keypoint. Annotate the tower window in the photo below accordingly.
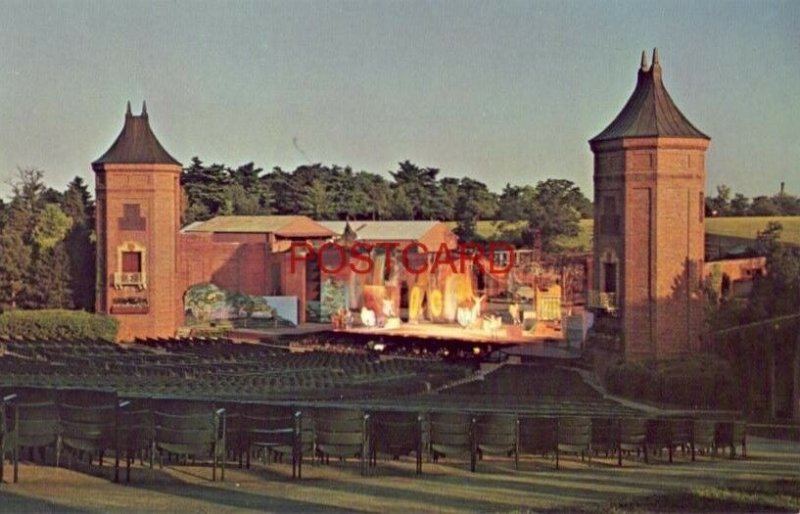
(609, 277)
(131, 262)
(131, 218)
(609, 219)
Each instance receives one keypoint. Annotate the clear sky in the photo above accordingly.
(498, 91)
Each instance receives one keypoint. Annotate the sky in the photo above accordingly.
(500, 91)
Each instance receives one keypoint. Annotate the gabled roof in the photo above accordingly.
(384, 230)
(136, 144)
(650, 112)
(283, 226)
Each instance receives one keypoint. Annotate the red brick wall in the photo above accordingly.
(658, 184)
(156, 191)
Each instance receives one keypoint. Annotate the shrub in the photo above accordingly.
(57, 325)
(692, 381)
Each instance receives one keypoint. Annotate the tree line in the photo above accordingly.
(47, 237)
(725, 203)
(532, 213)
(47, 249)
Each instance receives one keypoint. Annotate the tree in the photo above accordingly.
(473, 202)
(51, 226)
(740, 205)
(316, 201)
(248, 193)
(207, 191)
(764, 206)
(420, 184)
(720, 204)
(80, 244)
(551, 210)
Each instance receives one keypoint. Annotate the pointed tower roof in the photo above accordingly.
(650, 111)
(136, 144)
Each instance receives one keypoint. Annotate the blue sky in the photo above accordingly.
(498, 91)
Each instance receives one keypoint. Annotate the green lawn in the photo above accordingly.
(767, 481)
(745, 227)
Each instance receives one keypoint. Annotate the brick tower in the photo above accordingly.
(138, 216)
(649, 239)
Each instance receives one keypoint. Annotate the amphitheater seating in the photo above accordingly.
(34, 423)
(538, 435)
(396, 434)
(732, 434)
(342, 433)
(270, 430)
(574, 436)
(497, 434)
(631, 436)
(451, 434)
(88, 422)
(136, 432)
(703, 436)
(189, 432)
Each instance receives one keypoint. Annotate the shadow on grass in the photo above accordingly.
(781, 496)
(10, 502)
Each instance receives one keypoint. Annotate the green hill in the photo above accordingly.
(744, 227)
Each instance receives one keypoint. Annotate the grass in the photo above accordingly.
(744, 227)
(768, 480)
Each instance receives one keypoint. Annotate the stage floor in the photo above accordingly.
(542, 332)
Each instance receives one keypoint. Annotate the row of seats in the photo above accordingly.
(94, 422)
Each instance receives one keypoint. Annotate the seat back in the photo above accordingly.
(36, 420)
(340, 432)
(538, 434)
(88, 418)
(395, 433)
(193, 434)
(574, 433)
(603, 434)
(451, 434)
(496, 433)
(632, 433)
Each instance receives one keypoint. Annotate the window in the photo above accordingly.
(131, 218)
(609, 277)
(131, 262)
(609, 219)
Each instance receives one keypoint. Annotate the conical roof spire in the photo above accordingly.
(645, 65)
(650, 112)
(136, 144)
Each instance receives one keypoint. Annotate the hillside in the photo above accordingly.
(744, 227)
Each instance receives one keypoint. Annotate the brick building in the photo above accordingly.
(649, 178)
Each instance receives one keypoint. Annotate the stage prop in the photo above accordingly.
(208, 305)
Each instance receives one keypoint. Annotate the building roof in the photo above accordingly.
(650, 112)
(136, 144)
(384, 230)
(284, 226)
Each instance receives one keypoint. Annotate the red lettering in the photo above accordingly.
(443, 256)
(407, 263)
(356, 255)
(388, 249)
(297, 255)
(465, 255)
(342, 258)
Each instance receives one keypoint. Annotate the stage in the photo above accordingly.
(452, 332)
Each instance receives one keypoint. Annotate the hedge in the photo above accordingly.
(694, 381)
(57, 325)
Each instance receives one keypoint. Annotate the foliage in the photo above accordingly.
(551, 210)
(57, 325)
(779, 204)
(693, 381)
(51, 226)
